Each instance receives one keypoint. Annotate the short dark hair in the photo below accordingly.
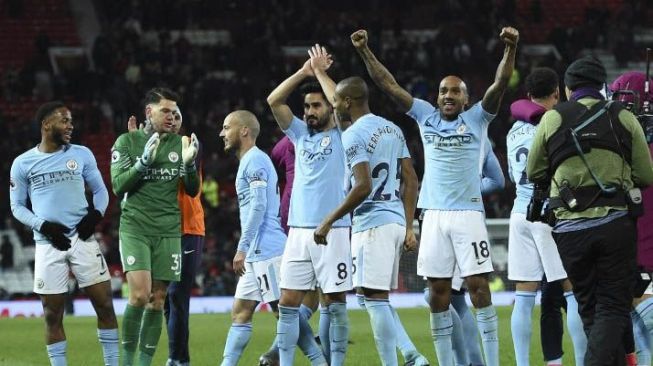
(542, 82)
(313, 87)
(155, 95)
(46, 109)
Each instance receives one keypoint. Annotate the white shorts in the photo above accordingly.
(532, 251)
(375, 253)
(306, 263)
(52, 266)
(260, 281)
(453, 237)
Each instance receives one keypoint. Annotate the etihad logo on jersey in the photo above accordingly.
(439, 141)
(311, 156)
(38, 180)
(166, 174)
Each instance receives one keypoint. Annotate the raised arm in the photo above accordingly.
(494, 94)
(277, 99)
(381, 76)
(320, 63)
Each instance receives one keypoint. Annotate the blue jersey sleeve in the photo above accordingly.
(354, 146)
(421, 110)
(93, 178)
(477, 113)
(257, 176)
(18, 195)
(296, 130)
(493, 179)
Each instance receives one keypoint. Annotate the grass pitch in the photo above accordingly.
(22, 340)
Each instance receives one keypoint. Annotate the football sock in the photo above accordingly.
(306, 340)
(470, 330)
(338, 333)
(441, 329)
(458, 339)
(323, 331)
(383, 328)
(405, 345)
(488, 325)
(521, 325)
(288, 334)
(131, 327)
(575, 327)
(237, 340)
(149, 336)
(57, 353)
(109, 340)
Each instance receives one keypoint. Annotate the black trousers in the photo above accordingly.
(601, 264)
(551, 330)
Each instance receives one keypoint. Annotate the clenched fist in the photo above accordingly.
(359, 38)
(509, 36)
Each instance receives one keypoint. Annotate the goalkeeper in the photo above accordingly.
(146, 166)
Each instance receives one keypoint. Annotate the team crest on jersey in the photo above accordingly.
(115, 156)
(173, 157)
(71, 164)
(461, 129)
(12, 185)
(326, 140)
(39, 283)
(131, 260)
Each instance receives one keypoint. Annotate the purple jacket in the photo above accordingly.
(283, 157)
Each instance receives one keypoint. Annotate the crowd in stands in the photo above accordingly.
(140, 47)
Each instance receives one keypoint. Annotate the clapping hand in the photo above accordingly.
(320, 59)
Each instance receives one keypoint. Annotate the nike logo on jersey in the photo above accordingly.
(339, 283)
(188, 251)
(103, 272)
(481, 262)
(149, 346)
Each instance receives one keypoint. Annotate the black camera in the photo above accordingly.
(644, 115)
(536, 207)
(646, 120)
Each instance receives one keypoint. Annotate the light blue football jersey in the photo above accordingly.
(256, 171)
(54, 183)
(454, 154)
(319, 174)
(518, 144)
(381, 144)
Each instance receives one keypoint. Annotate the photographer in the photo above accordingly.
(593, 153)
(629, 89)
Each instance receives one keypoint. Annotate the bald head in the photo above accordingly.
(354, 88)
(247, 119)
(452, 97)
(452, 80)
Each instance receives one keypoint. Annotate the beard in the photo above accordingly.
(232, 147)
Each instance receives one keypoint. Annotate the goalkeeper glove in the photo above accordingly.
(87, 224)
(56, 233)
(189, 147)
(149, 153)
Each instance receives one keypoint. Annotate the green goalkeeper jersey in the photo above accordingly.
(150, 206)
